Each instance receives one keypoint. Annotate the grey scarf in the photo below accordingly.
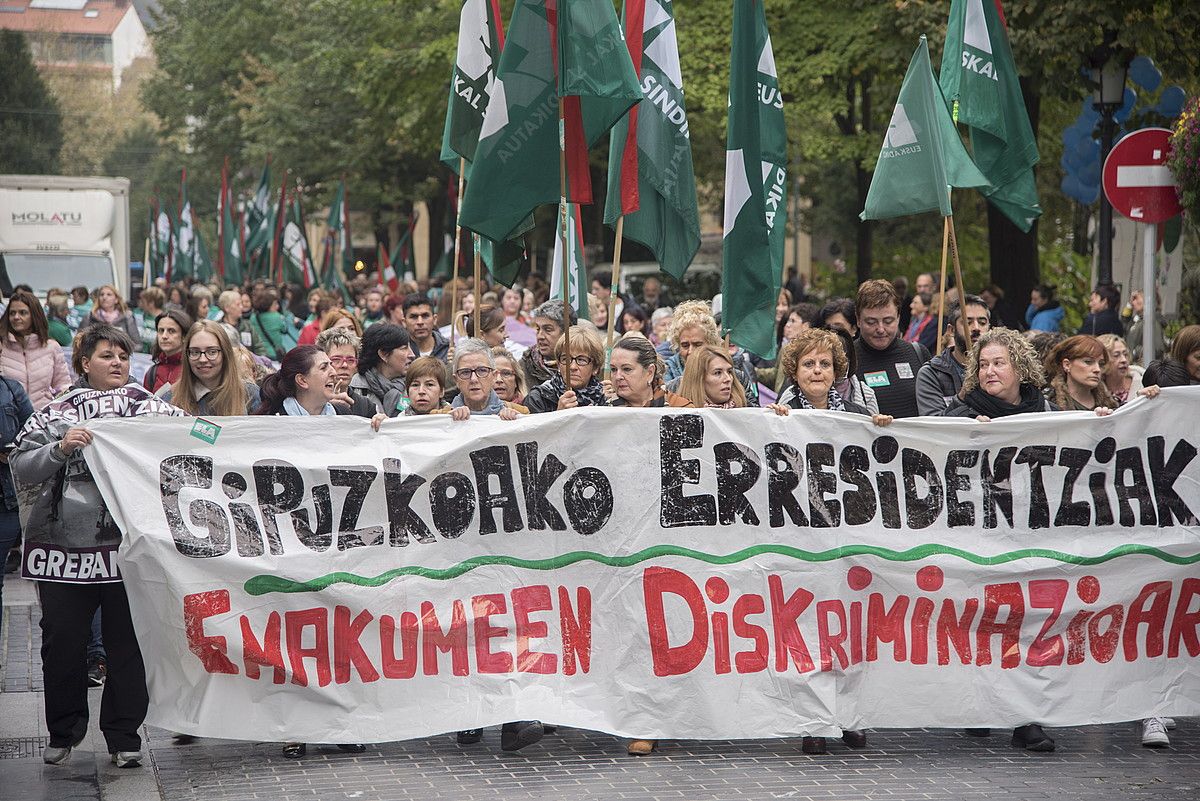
(389, 393)
(494, 404)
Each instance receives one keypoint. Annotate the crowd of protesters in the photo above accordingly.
(375, 354)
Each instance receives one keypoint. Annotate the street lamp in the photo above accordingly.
(1108, 65)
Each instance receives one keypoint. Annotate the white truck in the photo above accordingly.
(64, 231)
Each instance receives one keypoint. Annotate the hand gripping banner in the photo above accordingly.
(656, 573)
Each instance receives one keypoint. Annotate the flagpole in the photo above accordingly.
(565, 362)
(478, 270)
(462, 177)
(942, 286)
(612, 295)
(958, 280)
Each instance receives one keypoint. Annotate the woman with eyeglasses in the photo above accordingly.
(585, 360)
(474, 373)
(382, 362)
(510, 378)
(341, 345)
(210, 383)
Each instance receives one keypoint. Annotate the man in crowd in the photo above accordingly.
(925, 283)
(230, 302)
(1104, 312)
(886, 363)
(653, 295)
(538, 361)
(939, 381)
(373, 307)
(424, 338)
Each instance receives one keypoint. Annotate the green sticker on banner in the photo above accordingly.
(205, 430)
(879, 379)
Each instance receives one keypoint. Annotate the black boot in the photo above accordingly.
(515, 736)
(1032, 738)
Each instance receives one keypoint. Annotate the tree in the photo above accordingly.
(30, 120)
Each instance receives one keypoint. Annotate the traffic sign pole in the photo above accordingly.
(1138, 184)
(1149, 288)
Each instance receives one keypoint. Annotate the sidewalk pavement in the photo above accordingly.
(1093, 762)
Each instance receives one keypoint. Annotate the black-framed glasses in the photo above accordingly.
(208, 353)
(479, 372)
(582, 361)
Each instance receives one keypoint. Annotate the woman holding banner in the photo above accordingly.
(510, 378)
(210, 383)
(586, 360)
(637, 383)
(637, 377)
(813, 361)
(65, 516)
(305, 387)
(1075, 369)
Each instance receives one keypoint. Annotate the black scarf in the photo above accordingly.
(592, 394)
(1031, 401)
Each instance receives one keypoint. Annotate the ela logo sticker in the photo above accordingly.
(877, 379)
(204, 430)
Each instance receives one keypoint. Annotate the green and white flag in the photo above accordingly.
(339, 257)
(979, 78)
(231, 246)
(570, 49)
(755, 186)
(576, 267)
(191, 257)
(922, 154)
(297, 258)
(163, 234)
(260, 226)
(480, 40)
(650, 176)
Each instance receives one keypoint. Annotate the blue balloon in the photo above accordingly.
(1090, 174)
(1089, 194)
(1170, 103)
(1087, 150)
(1143, 72)
(1126, 107)
(1088, 112)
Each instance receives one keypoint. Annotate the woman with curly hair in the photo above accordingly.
(1075, 369)
(814, 362)
(1003, 378)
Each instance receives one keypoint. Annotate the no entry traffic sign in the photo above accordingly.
(1136, 180)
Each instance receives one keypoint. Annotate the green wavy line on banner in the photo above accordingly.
(263, 584)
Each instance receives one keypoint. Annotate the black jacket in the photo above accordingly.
(1102, 322)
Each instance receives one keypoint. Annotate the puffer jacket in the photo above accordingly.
(40, 369)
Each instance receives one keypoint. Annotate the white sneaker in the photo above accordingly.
(1168, 723)
(127, 759)
(1154, 733)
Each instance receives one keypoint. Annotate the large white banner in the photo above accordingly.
(659, 573)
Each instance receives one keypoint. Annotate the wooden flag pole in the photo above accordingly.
(564, 365)
(942, 286)
(958, 281)
(462, 177)
(612, 296)
(478, 302)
